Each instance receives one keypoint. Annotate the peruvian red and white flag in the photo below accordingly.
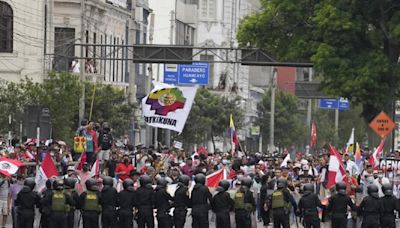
(313, 142)
(95, 169)
(81, 162)
(46, 170)
(214, 178)
(374, 159)
(9, 167)
(336, 169)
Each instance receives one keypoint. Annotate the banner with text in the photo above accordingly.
(168, 106)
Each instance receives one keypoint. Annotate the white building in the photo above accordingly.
(21, 40)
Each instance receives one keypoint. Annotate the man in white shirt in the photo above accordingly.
(351, 166)
(75, 66)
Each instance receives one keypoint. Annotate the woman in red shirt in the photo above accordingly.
(124, 168)
(351, 184)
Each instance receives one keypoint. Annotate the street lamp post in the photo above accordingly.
(272, 116)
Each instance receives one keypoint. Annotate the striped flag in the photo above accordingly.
(357, 156)
(95, 171)
(374, 159)
(46, 170)
(9, 167)
(336, 169)
(214, 178)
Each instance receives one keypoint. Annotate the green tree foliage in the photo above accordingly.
(111, 105)
(289, 126)
(209, 117)
(355, 45)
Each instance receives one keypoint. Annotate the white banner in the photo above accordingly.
(168, 106)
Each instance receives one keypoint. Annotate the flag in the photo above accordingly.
(285, 161)
(313, 142)
(357, 157)
(9, 167)
(29, 155)
(233, 135)
(350, 146)
(214, 178)
(374, 159)
(46, 170)
(168, 106)
(336, 169)
(81, 162)
(94, 171)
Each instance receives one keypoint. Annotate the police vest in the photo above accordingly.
(91, 202)
(58, 201)
(239, 200)
(278, 200)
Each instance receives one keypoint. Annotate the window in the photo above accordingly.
(6, 28)
(208, 9)
(64, 42)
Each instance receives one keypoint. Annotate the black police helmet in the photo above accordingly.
(128, 185)
(69, 183)
(184, 179)
(341, 188)
(58, 184)
(224, 184)
(144, 180)
(30, 183)
(200, 179)
(108, 181)
(246, 181)
(162, 182)
(387, 189)
(281, 183)
(49, 184)
(308, 188)
(91, 185)
(373, 190)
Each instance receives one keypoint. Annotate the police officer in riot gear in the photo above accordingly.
(222, 204)
(163, 201)
(69, 189)
(26, 201)
(280, 202)
(244, 203)
(181, 201)
(371, 208)
(126, 201)
(199, 201)
(145, 202)
(338, 205)
(60, 203)
(308, 207)
(108, 202)
(390, 204)
(45, 209)
(89, 204)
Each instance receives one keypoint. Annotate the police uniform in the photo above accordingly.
(126, 202)
(281, 202)
(69, 186)
(163, 202)
(26, 201)
(244, 204)
(201, 196)
(222, 204)
(45, 208)
(308, 207)
(89, 205)
(390, 204)
(145, 202)
(108, 202)
(60, 204)
(371, 208)
(337, 206)
(181, 201)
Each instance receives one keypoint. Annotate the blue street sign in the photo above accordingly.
(171, 73)
(328, 103)
(197, 73)
(344, 105)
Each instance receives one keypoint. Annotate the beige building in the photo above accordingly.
(21, 39)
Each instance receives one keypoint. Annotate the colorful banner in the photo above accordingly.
(168, 106)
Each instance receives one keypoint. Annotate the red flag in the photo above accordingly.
(374, 159)
(81, 161)
(336, 169)
(95, 171)
(47, 170)
(9, 167)
(202, 150)
(313, 143)
(214, 178)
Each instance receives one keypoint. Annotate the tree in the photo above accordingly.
(289, 128)
(209, 117)
(354, 45)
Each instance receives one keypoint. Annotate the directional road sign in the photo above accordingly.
(328, 103)
(344, 104)
(196, 74)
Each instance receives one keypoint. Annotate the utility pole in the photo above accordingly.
(272, 115)
(82, 63)
(45, 37)
(150, 78)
